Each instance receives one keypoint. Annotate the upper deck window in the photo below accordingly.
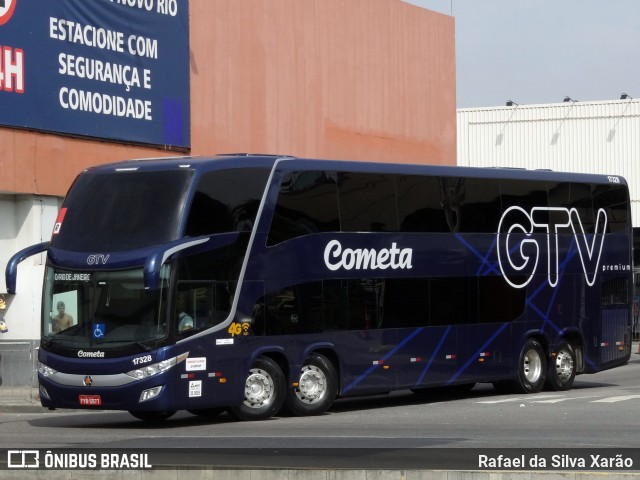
(367, 202)
(121, 211)
(420, 204)
(226, 201)
(315, 202)
(472, 205)
(614, 200)
(307, 204)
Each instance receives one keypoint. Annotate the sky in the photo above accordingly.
(540, 51)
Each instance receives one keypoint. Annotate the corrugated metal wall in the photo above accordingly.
(590, 137)
(18, 365)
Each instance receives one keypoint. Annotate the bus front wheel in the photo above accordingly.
(562, 369)
(316, 388)
(532, 368)
(264, 391)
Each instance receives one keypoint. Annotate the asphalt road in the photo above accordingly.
(601, 411)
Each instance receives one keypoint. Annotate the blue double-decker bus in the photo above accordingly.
(256, 283)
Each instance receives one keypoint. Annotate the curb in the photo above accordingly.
(23, 408)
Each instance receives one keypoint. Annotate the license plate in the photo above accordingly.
(91, 400)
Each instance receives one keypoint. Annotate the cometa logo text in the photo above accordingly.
(336, 258)
(83, 354)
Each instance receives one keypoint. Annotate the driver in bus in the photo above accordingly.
(62, 321)
(185, 320)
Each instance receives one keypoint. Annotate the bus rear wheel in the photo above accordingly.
(264, 391)
(562, 369)
(532, 368)
(316, 388)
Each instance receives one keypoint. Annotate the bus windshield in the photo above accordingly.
(106, 310)
(122, 211)
(114, 311)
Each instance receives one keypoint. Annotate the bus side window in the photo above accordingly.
(185, 309)
(420, 204)
(222, 300)
(511, 305)
(307, 204)
(406, 302)
(570, 195)
(281, 310)
(207, 216)
(365, 303)
(292, 309)
(200, 305)
(334, 304)
(524, 194)
(472, 204)
(367, 202)
(226, 201)
(613, 199)
(258, 318)
(453, 300)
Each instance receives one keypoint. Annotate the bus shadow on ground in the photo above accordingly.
(123, 421)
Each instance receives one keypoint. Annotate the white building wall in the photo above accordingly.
(589, 137)
(26, 220)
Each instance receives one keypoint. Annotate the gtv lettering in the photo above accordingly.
(519, 252)
(98, 259)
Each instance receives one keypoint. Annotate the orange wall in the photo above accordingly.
(362, 80)
(46, 164)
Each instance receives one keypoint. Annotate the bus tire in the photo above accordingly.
(562, 369)
(532, 368)
(317, 387)
(152, 416)
(264, 391)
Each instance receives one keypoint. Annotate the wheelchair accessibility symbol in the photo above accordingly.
(98, 330)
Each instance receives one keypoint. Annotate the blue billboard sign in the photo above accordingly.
(109, 69)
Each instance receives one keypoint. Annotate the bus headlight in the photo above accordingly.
(156, 368)
(45, 370)
(150, 394)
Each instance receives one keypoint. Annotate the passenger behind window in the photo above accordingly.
(62, 321)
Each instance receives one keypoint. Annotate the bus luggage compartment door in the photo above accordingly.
(614, 343)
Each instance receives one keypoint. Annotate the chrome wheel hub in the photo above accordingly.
(259, 389)
(532, 366)
(313, 385)
(564, 365)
